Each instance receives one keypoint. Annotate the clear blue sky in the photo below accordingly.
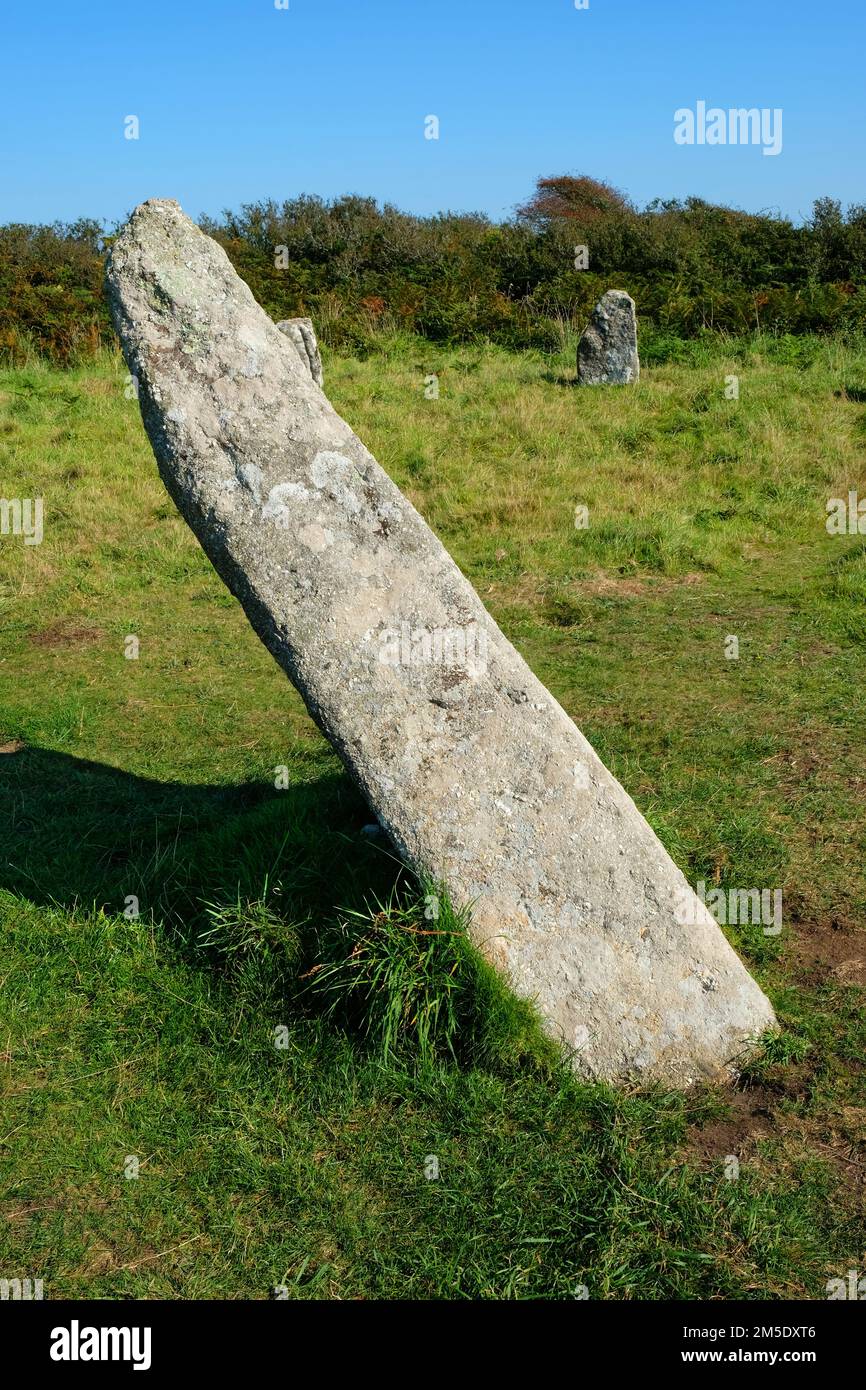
(238, 101)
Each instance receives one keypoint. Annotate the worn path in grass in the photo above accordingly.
(305, 1165)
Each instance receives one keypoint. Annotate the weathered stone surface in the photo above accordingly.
(607, 352)
(303, 335)
(473, 769)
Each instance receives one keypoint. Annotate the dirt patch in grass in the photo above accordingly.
(852, 972)
(17, 1214)
(99, 1259)
(822, 950)
(750, 1116)
(630, 586)
(795, 766)
(66, 633)
(13, 746)
(753, 1115)
(528, 591)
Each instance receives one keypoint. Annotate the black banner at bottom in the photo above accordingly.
(150, 1338)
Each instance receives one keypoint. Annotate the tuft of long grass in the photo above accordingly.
(248, 926)
(405, 976)
(398, 973)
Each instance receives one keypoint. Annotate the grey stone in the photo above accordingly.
(607, 352)
(474, 770)
(303, 335)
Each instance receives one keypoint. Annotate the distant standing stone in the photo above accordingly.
(607, 352)
(303, 335)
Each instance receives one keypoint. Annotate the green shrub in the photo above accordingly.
(365, 272)
(51, 295)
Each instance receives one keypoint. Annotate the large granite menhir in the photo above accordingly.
(478, 775)
(607, 352)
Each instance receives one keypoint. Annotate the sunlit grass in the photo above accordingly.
(284, 1127)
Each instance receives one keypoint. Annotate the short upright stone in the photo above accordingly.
(303, 335)
(473, 770)
(607, 352)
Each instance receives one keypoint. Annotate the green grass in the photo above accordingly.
(275, 1038)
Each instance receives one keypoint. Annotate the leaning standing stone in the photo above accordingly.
(303, 335)
(475, 772)
(607, 352)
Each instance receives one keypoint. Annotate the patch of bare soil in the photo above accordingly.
(750, 1117)
(827, 951)
(528, 590)
(66, 633)
(852, 972)
(629, 586)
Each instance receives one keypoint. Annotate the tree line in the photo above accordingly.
(362, 271)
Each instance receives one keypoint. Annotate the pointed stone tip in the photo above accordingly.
(157, 204)
(153, 210)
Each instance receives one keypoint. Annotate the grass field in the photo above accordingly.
(277, 1146)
